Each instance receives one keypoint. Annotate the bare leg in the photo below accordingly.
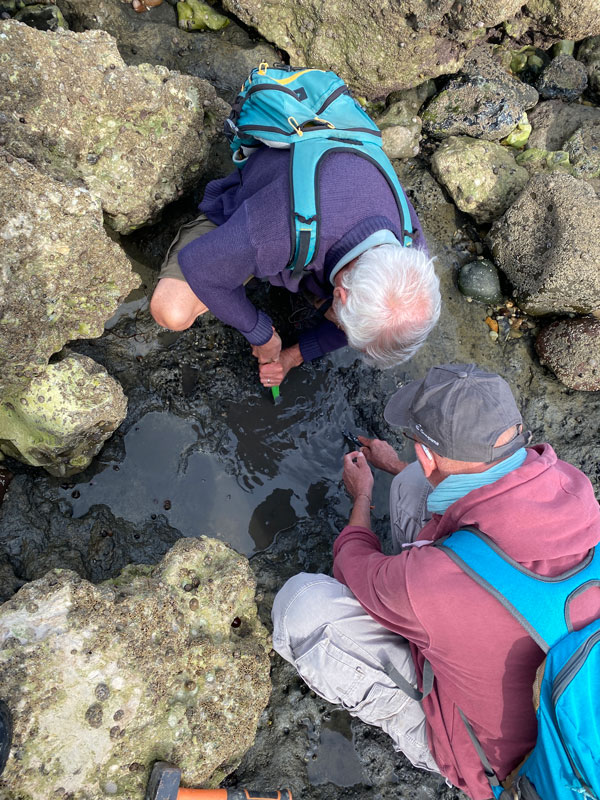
(174, 305)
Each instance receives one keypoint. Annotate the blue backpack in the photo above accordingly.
(565, 762)
(311, 112)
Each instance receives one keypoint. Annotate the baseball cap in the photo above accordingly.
(459, 411)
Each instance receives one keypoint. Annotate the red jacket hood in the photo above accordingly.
(517, 510)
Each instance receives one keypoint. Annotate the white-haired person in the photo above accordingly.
(373, 293)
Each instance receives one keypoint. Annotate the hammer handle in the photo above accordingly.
(233, 794)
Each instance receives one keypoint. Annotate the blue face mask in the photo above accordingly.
(454, 487)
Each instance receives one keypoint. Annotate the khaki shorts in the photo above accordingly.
(187, 233)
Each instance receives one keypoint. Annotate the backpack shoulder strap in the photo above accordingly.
(539, 603)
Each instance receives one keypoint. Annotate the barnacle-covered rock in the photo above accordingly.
(564, 79)
(548, 246)
(553, 121)
(162, 663)
(571, 349)
(482, 177)
(64, 417)
(589, 54)
(583, 148)
(136, 137)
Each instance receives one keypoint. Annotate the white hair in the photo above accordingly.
(393, 302)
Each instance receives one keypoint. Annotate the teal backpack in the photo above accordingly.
(565, 762)
(311, 112)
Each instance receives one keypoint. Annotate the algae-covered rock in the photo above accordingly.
(479, 105)
(535, 160)
(548, 246)
(564, 79)
(482, 177)
(62, 277)
(162, 663)
(571, 349)
(42, 17)
(399, 122)
(583, 148)
(195, 15)
(64, 417)
(589, 55)
(137, 137)
(553, 121)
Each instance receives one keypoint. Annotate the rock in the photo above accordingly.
(486, 103)
(583, 148)
(106, 679)
(563, 79)
(225, 60)
(62, 278)
(62, 420)
(574, 19)
(482, 177)
(589, 55)
(42, 17)
(9, 583)
(553, 122)
(137, 137)
(571, 349)
(528, 62)
(400, 123)
(547, 245)
(479, 280)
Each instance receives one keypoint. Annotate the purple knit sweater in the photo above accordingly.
(252, 209)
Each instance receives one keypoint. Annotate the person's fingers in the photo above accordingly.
(366, 442)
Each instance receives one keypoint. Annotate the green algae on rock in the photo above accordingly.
(104, 680)
(195, 15)
(482, 177)
(62, 276)
(64, 417)
(137, 137)
(535, 160)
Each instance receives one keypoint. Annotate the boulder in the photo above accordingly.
(136, 137)
(589, 55)
(165, 662)
(400, 124)
(479, 280)
(563, 79)
(571, 349)
(42, 17)
(567, 19)
(482, 177)
(224, 60)
(64, 417)
(583, 148)
(548, 246)
(554, 121)
(485, 103)
(62, 276)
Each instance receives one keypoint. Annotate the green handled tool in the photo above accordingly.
(275, 393)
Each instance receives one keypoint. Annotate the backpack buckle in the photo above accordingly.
(294, 124)
(262, 68)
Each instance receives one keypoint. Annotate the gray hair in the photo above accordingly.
(393, 303)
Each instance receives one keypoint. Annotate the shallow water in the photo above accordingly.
(335, 760)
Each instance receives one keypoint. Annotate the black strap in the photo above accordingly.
(487, 767)
(303, 247)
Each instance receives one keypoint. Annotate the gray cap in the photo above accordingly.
(459, 411)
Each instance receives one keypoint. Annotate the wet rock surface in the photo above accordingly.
(136, 137)
(482, 177)
(583, 148)
(554, 121)
(194, 702)
(571, 349)
(563, 79)
(479, 280)
(546, 244)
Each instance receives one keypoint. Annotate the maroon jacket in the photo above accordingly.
(543, 514)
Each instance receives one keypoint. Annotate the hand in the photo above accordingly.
(273, 373)
(381, 455)
(269, 351)
(357, 476)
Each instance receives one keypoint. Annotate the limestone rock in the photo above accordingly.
(583, 148)
(482, 177)
(62, 276)
(479, 105)
(136, 137)
(548, 246)
(553, 121)
(573, 19)
(589, 55)
(62, 420)
(564, 79)
(571, 349)
(225, 60)
(162, 663)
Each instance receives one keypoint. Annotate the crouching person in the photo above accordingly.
(370, 637)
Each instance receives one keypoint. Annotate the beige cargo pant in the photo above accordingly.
(342, 653)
